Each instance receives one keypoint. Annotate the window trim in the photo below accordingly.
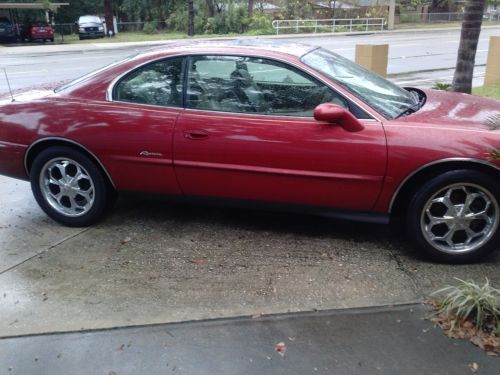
(374, 116)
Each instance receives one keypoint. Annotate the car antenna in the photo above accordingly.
(8, 84)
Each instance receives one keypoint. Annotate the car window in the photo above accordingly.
(254, 85)
(89, 19)
(158, 83)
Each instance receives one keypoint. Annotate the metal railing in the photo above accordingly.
(330, 25)
(415, 17)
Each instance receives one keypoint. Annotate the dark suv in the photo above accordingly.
(90, 27)
(8, 32)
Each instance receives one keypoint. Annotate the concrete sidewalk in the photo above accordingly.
(83, 47)
(389, 340)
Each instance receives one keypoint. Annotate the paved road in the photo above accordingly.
(409, 54)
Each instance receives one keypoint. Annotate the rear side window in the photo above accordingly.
(158, 83)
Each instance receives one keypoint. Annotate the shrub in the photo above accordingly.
(261, 23)
(150, 27)
(441, 86)
(470, 301)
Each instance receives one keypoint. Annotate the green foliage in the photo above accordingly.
(261, 23)
(178, 20)
(491, 91)
(150, 27)
(441, 86)
(470, 301)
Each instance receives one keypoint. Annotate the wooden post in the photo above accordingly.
(492, 75)
(373, 57)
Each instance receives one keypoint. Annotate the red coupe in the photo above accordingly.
(281, 125)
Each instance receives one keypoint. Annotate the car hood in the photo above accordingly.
(457, 109)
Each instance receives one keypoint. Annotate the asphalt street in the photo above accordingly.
(415, 58)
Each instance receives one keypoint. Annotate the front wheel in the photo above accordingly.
(69, 187)
(455, 216)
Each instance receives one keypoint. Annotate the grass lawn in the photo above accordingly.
(143, 37)
(122, 37)
(438, 25)
(491, 91)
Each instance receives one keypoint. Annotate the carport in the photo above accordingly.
(11, 10)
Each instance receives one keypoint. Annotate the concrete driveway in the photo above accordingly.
(156, 261)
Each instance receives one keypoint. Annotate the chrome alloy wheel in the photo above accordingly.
(460, 218)
(67, 187)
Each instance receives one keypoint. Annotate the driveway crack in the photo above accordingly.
(400, 265)
(67, 238)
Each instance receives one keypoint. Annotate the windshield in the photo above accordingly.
(89, 19)
(387, 98)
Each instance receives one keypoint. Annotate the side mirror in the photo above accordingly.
(335, 114)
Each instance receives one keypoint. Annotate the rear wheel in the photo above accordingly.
(455, 217)
(69, 187)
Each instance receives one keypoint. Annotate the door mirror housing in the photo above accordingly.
(335, 114)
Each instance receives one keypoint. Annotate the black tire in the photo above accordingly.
(94, 184)
(452, 187)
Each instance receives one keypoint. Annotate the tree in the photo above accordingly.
(108, 15)
(250, 8)
(469, 37)
(190, 17)
(210, 8)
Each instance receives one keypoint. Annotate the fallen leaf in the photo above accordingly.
(198, 261)
(125, 240)
(280, 348)
(474, 367)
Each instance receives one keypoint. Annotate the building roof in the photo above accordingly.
(52, 6)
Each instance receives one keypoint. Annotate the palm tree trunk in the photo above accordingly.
(469, 37)
(190, 17)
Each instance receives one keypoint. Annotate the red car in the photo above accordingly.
(41, 31)
(287, 126)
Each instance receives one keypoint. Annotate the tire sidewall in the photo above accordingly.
(433, 186)
(100, 186)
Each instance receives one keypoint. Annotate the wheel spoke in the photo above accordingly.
(460, 217)
(68, 176)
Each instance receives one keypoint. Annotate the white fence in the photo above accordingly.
(332, 25)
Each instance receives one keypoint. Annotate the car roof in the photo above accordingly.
(240, 45)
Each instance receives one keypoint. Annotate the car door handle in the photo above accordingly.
(195, 134)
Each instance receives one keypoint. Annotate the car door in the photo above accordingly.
(145, 105)
(248, 133)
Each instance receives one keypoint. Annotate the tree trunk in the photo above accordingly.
(108, 15)
(210, 8)
(190, 17)
(250, 8)
(469, 37)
